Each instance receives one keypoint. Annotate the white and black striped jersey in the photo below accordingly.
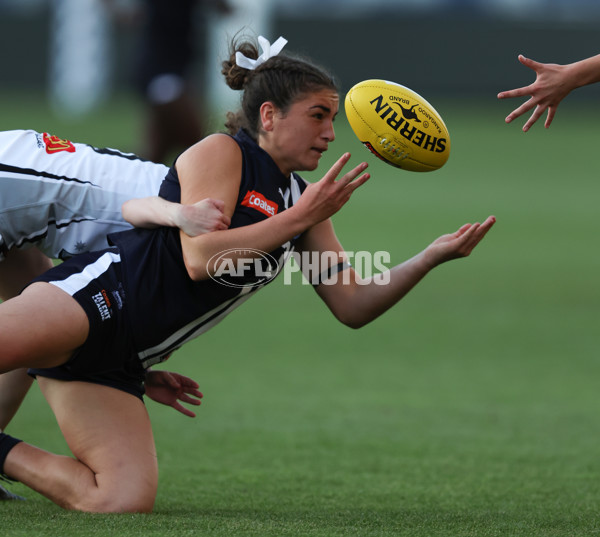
(66, 197)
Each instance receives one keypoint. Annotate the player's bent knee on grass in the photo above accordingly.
(114, 466)
(110, 433)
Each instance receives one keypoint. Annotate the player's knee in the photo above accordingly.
(132, 494)
(112, 501)
(129, 505)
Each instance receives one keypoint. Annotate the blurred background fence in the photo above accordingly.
(456, 48)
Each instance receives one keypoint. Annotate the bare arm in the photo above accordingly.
(552, 84)
(356, 301)
(219, 177)
(196, 219)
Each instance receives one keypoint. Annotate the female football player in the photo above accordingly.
(130, 306)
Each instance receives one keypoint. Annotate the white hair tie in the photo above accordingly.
(268, 52)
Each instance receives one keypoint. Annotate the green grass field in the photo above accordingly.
(470, 409)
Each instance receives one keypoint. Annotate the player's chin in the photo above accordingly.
(313, 159)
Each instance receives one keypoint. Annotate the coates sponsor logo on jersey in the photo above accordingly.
(242, 267)
(257, 201)
(54, 144)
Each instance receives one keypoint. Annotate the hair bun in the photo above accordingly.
(236, 76)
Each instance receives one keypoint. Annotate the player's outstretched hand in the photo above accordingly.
(202, 217)
(458, 244)
(552, 85)
(326, 197)
(169, 388)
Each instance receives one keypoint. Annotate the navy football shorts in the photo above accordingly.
(108, 356)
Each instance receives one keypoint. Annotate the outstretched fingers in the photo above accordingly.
(348, 177)
(534, 117)
(550, 116)
(349, 182)
(353, 183)
(518, 92)
(525, 90)
(458, 244)
(327, 196)
(473, 235)
(336, 169)
(462, 230)
(524, 108)
(353, 179)
(528, 62)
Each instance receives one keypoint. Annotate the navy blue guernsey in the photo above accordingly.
(166, 307)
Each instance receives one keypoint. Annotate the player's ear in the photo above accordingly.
(267, 114)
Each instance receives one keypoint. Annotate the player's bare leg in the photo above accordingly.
(113, 468)
(14, 386)
(41, 327)
(16, 271)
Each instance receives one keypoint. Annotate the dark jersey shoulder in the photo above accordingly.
(168, 307)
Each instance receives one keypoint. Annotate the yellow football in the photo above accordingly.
(398, 125)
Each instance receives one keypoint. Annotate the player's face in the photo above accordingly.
(302, 135)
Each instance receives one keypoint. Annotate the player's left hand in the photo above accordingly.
(169, 388)
(458, 244)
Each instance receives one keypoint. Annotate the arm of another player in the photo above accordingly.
(356, 301)
(193, 219)
(552, 84)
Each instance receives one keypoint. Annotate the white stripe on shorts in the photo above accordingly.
(77, 282)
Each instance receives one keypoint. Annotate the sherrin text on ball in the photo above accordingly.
(398, 125)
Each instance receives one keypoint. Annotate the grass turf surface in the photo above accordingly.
(470, 409)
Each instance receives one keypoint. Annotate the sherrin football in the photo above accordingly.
(398, 125)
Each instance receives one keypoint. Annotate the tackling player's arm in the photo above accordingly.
(196, 219)
(356, 301)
